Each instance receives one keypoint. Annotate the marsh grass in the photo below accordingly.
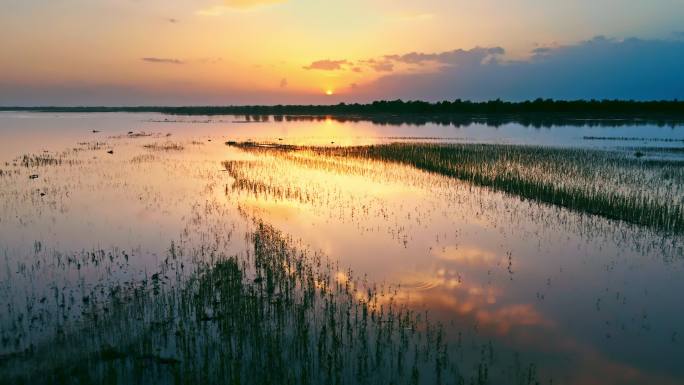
(666, 150)
(44, 160)
(166, 146)
(613, 185)
(143, 158)
(632, 139)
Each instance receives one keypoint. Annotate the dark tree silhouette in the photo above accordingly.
(539, 112)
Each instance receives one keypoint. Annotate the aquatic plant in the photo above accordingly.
(166, 146)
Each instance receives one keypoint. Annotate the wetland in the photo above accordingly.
(151, 248)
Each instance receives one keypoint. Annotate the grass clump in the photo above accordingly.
(166, 146)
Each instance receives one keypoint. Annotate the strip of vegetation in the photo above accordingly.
(632, 139)
(574, 107)
(166, 146)
(540, 112)
(613, 185)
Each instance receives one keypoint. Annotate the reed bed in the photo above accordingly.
(44, 160)
(614, 185)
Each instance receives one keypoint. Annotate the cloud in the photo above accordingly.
(379, 65)
(228, 5)
(216, 10)
(387, 63)
(456, 57)
(172, 20)
(210, 60)
(327, 65)
(382, 65)
(541, 50)
(162, 60)
(597, 68)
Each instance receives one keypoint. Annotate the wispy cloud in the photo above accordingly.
(216, 10)
(229, 5)
(209, 60)
(327, 65)
(379, 65)
(541, 50)
(162, 60)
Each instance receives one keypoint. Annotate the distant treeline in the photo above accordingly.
(546, 111)
(538, 106)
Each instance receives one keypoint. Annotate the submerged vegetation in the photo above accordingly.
(609, 184)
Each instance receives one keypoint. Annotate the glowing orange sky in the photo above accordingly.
(266, 50)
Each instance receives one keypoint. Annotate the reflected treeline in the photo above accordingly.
(463, 120)
(536, 113)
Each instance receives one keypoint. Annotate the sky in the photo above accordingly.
(201, 52)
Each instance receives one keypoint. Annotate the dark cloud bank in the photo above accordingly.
(598, 68)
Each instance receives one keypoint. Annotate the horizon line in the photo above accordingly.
(371, 103)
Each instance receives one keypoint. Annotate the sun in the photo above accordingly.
(329, 92)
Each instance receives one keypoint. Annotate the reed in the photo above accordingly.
(281, 315)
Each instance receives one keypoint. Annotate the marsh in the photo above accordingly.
(338, 251)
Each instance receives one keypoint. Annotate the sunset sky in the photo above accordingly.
(123, 52)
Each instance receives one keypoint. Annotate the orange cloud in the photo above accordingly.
(327, 65)
(218, 10)
(162, 60)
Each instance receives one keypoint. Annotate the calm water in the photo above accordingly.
(586, 299)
